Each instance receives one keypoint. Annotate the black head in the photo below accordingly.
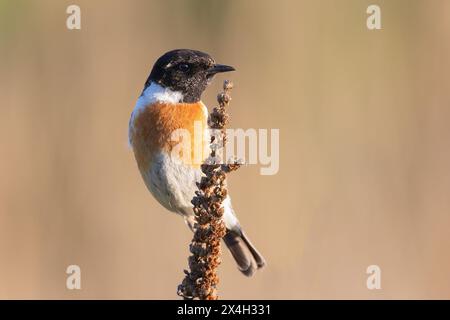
(186, 71)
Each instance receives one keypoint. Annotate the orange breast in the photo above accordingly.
(155, 127)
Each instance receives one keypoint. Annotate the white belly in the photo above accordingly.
(172, 183)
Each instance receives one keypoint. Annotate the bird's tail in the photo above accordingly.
(244, 252)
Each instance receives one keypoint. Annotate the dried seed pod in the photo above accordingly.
(201, 280)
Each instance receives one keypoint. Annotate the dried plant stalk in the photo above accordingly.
(202, 280)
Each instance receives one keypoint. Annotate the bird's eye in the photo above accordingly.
(183, 67)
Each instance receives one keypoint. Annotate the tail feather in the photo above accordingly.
(244, 252)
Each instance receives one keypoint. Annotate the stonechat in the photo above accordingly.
(171, 100)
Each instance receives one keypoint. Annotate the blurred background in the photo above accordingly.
(364, 153)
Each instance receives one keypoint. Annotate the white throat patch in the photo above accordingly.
(156, 93)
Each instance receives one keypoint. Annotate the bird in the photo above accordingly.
(171, 101)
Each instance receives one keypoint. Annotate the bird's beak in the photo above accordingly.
(218, 68)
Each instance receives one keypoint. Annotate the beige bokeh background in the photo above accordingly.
(364, 153)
